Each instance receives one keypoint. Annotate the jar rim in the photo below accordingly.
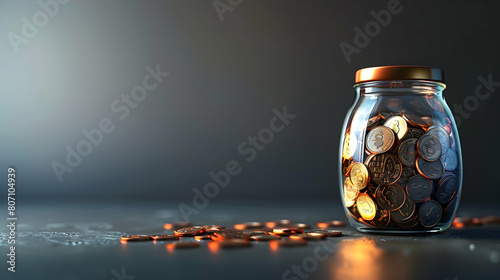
(399, 72)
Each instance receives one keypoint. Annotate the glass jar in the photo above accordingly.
(400, 163)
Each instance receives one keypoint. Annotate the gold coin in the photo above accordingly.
(350, 142)
(350, 193)
(380, 140)
(398, 125)
(366, 207)
(359, 175)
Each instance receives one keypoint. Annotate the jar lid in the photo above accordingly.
(399, 72)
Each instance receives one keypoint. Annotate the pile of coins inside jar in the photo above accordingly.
(405, 175)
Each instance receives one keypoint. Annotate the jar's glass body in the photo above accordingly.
(406, 179)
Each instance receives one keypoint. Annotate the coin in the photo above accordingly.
(248, 225)
(390, 197)
(442, 135)
(373, 120)
(429, 147)
(328, 232)
(490, 219)
(419, 188)
(229, 234)
(414, 120)
(350, 192)
(380, 139)
(385, 169)
(287, 231)
(129, 238)
(212, 227)
(308, 236)
(430, 213)
(406, 174)
(449, 160)
(406, 212)
(398, 125)
(414, 133)
(174, 226)
(382, 218)
(203, 237)
(346, 166)
(411, 223)
(301, 225)
(447, 189)
(234, 243)
(359, 175)
(428, 121)
(165, 237)
(189, 231)
(328, 224)
(434, 104)
(265, 237)
(385, 115)
(429, 169)
(255, 232)
(350, 143)
(407, 152)
(278, 223)
(366, 207)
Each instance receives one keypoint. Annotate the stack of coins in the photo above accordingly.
(404, 174)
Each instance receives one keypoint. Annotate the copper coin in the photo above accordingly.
(406, 212)
(398, 125)
(174, 226)
(447, 189)
(189, 231)
(301, 225)
(419, 188)
(278, 223)
(385, 115)
(442, 135)
(346, 166)
(366, 207)
(265, 237)
(350, 192)
(390, 197)
(406, 174)
(429, 147)
(414, 120)
(165, 237)
(229, 234)
(382, 218)
(385, 169)
(380, 140)
(429, 213)
(449, 160)
(359, 175)
(328, 224)
(407, 152)
(490, 219)
(212, 227)
(287, 231)
(254, 232)
(373, 120)
(133, 238)
(414, 133)
(248, 225)
(308, 236)
(429, 169)
(328, 232)
(203, 237)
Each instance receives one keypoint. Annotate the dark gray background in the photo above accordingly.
(225, 78)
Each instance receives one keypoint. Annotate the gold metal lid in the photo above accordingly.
(399, 72)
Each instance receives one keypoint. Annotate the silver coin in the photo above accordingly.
(449, 160)
(430, 213)
(442, 135)
(429, 147)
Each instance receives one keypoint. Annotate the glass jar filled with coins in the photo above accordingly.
(400, 159)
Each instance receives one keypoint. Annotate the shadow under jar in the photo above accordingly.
(400, 163)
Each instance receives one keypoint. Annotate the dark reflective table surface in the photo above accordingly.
(81, 241)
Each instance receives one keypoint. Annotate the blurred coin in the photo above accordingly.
(328, 232)
(307, 236)
(328, 224)
(407, 152)
(254, 232)
(419, 188)
(429, 213)
(435, 104)
(490, 219)
(406, 174)
(289, 243)
(265, 237)
(234, 243)
(229, 234)
(287, 231)
(350, 143)
(430, 170)
(429, 147)
(132, 238)
(461, 222)
(203, 237)
(183, 245)
(189, 231)
(248, 225)
(359, 175)
(398, 125)
(165, 237)
(447, 189)
(301, 225)
(212, 227)
(366, 207)
(442, 135)
(278, 223)
(390, 197)
(380, 140)
(384, 169)
(406, 212)
(449, 160)
(174, 226)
